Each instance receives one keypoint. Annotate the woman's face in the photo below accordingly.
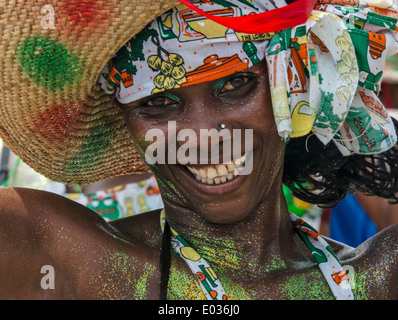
(217, 192)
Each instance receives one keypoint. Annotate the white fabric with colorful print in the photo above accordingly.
(325, 258)
(208, 281)
(324, 75)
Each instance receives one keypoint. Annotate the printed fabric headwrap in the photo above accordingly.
(324, 75)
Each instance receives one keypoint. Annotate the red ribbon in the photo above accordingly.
(274, 20)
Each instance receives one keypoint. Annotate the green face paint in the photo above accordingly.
(172, 97)
(220, 84)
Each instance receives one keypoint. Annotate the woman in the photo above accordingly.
(235, 234)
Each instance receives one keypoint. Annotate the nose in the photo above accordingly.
(203, 135)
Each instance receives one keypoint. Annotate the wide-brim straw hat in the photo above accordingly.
(53, 113)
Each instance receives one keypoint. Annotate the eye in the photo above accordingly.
(159, 104)
(236, 86)
(159, 101)
(235, 83)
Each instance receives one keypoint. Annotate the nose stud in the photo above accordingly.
(221, 126)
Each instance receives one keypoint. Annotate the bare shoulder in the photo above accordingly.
(88, 254)
(21, 201)
(144, 228)
(25, 206)
(373, 264)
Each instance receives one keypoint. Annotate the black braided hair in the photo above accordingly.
(321, 175)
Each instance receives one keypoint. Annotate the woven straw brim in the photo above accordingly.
(53, 114)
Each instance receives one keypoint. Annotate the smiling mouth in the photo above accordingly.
(219, 173)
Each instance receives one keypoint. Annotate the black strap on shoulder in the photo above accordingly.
(165, 261)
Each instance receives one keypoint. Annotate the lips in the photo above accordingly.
(220, 173)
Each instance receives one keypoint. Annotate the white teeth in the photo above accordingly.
(231, 167)
(240, 160)
(222, 171)
(219, 173)
(211, 173)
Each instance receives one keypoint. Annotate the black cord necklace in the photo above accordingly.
(165, 261)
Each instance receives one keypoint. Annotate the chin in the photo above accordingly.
(233, 210)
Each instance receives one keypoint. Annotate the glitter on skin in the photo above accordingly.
(361, 288)
(235, 291)
(309, 285)
(150, 238)
(227, 261)
(371, 278)
(122, 270)
(142, 284)
(183, 286)
(176, 194)
(306, 285)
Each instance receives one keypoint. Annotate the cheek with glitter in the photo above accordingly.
(168, 189)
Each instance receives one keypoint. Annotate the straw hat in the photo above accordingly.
(53, 114)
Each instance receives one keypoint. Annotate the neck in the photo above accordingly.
(257, 244)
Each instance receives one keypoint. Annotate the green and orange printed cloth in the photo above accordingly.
(324, 75)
